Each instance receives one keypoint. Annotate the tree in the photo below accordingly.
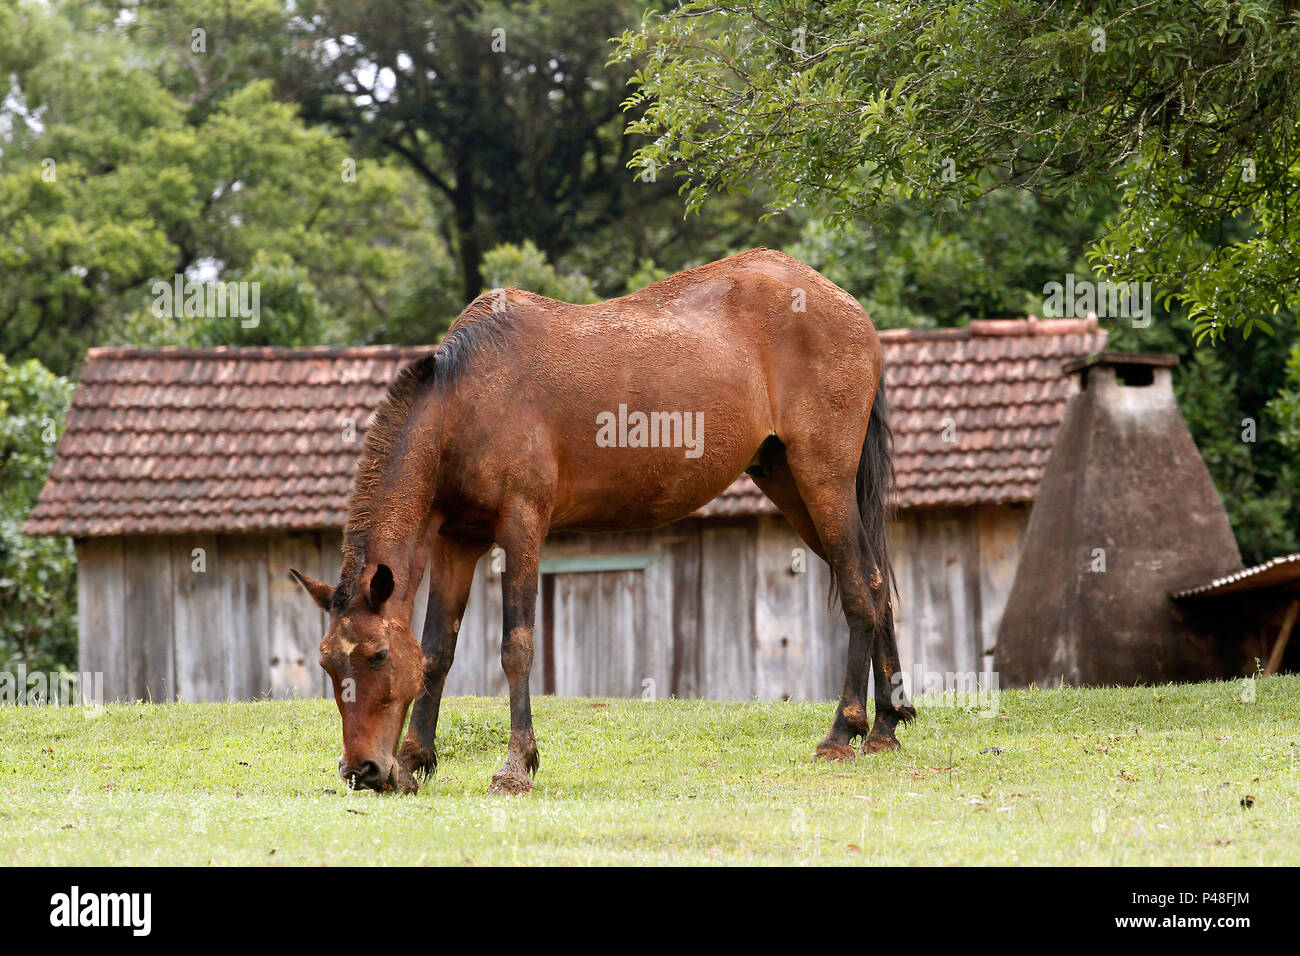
(512, 116)
(113, 182)
(525, 267)
(506, 110)
(911, 268)
(1188, 110)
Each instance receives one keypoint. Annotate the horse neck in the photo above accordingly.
(395, 519)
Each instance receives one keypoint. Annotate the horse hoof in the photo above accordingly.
(406, 782)
(834, 752)
(510, 783)
(874, 744)
(418, 762)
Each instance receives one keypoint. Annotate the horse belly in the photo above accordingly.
(630, 488)
(659, 416)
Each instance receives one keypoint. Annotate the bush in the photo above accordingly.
(38, 591)
(525, 267)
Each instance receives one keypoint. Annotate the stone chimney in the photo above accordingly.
(1126, 513)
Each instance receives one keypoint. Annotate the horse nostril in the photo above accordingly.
(364, 774)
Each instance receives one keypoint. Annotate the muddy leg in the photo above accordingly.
(892, 705)
(451, 572)
(851, 713)
(521, 540)
(846, 550)
(850, 718)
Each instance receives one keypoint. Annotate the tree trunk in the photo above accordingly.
(471, 255)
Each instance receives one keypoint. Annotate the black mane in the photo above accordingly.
(479, 331)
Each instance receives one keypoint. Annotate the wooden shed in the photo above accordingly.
(192, 479)
(1251, 613)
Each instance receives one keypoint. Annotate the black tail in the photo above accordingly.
(875, 493)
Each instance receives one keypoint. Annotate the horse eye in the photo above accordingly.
(379, 659)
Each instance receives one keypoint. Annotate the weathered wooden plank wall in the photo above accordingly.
(955, 570)
(728, 611)
(296, 625)
(200, 637)
(682, 585)
(101, 624)
(200, 617)
(787, 638)
(471, 666)
(1001, 535)
(246, 569)
(149, 620)
(725, 614)
(726, 632)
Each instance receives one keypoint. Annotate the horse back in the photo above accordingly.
(665, 394)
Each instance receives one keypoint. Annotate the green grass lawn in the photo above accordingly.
(1105, 777)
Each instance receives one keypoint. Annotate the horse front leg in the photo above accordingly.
(521, 539)
(451, 572)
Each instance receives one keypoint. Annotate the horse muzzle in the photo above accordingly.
(372, 775)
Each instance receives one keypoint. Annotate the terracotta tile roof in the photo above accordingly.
(162, 441)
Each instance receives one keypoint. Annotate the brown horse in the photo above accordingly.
(505, 433)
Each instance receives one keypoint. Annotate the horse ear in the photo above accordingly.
(381, 587)
(320, 591)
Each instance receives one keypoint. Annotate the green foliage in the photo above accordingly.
(200, 52)
(1189, 110)
(229, 144)
(113, 182)
(510, 113)
(912, 269)
(525, 267)
(646, 273)
(518, 136)
(1286, 407)
(38, 593)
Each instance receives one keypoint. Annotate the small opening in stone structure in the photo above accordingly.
(1135, 376)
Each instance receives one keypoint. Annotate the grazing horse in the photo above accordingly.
(506, 433)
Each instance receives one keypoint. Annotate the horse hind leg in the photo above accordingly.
(780, 487)
(892, 705)
(827, 514)
(773, 476)
(832, 510)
